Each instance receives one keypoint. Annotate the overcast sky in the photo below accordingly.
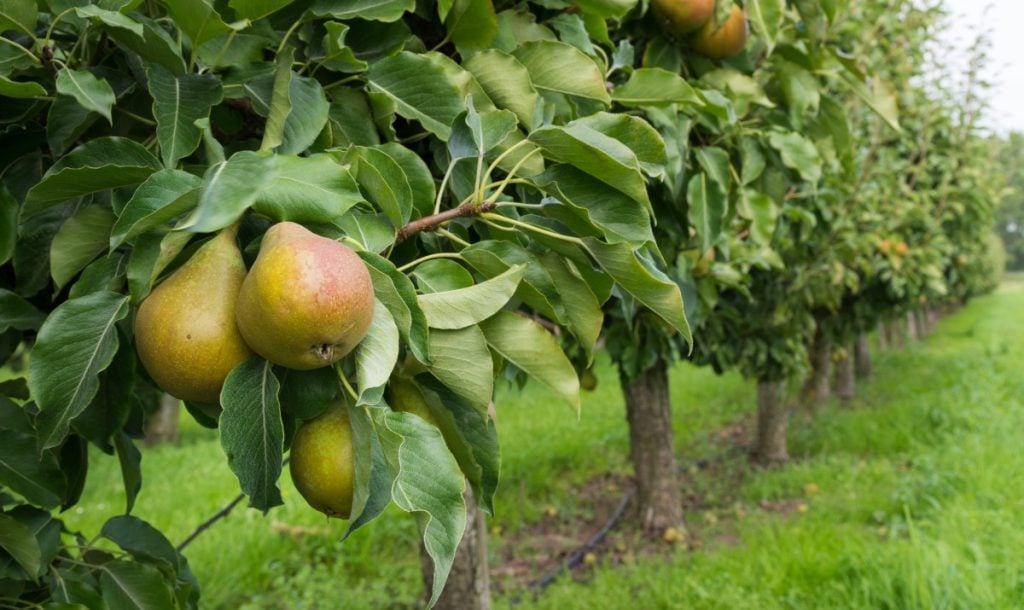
(1004, 20)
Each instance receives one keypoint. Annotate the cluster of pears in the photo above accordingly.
(694, 20)
(306, 302)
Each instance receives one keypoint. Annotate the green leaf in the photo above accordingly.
(19, 542)
(800, 88)
(130, 585)
(141, 539)
(472, 23)
(378, 10)
(606, 8)
(97, 165)
(421, 90)
(313, 189)
(371, 492)
(494, 257)
(506, 81)
(280, 102)
(647, 285)
(637, 134)
(113, 19)
(765, 17)
(164, 196)
(655, 87)
(535, 351)
(715, 162)
(461, 360)
(178, 102)
(762, 212)
(307, 394)
(66, 121)
(16, 89)
(18, 15)
(197, 19)
(797, 153)
(479, 133)
(376, 356)
(337, 55)
(596, 154)
(428, 483)
(464, 307)
(880, 97)
(80, 239)
(385, 183)
(395, 290)
(441, 275)
(130, 460)
(229, 189)
(562, 68)
(154, 44)
(417, 174)
(92, 93)
(351, 119)
(251, 432)
(76, 343)
(254, 10)
(707, 207)
(581, 305)
(36, 477)
(16, 312)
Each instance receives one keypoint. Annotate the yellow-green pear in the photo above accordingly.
(185, 331)
(725, 40)
(323, 463)
(307, 301)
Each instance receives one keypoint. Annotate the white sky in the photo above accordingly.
(1003, 19)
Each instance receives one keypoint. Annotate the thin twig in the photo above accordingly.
(205, 525)
(432, 222)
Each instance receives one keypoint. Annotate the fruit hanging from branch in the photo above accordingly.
(725, 41)
(307, 301)
(185, 330)
(681, 17)
(322, 463)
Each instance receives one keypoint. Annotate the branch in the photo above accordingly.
(205, 525)
(432, 222)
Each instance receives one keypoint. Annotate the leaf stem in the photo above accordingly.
(495, 219)
(501, 157)
(53, 24)
(21, 48)
(453, 237)
(287, 35)
(347, 385)
(512, 173)
(138, 118)
(444, 183)
(429, 257)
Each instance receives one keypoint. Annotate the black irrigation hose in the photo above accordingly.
(577, 556)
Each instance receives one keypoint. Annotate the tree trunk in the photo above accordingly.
(911, 327)
(162, 424)
(922, 324)
(816, 388)
(896, 334)
(771, 424)
(649, 413)
(469, 582)
(862, 357)
(846, 383)
(883, 336)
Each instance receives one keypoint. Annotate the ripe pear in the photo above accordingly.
(722, 42)
(323, 463)
(307, 301)
(679, 17)
(404, 395)
(185, 331)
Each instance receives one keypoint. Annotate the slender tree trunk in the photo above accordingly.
(862, 357)
(921, 322)
(817, 388)
(896, 334)
(649, 412)
(469, 582)
(846, 382)
(162, 424)
(883, 336)
(911, 327)
(771, 423)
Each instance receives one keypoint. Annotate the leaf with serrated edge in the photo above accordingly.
(77, 342)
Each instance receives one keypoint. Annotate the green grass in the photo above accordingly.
(918, 500)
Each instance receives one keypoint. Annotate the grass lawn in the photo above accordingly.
(911, 497)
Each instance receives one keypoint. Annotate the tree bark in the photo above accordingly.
(911, 327)
(921, 321)
(846, 382)
(649, 413)
(862, 357)
(162, 424)
(771, 424)
(816, 388)
(896, 334)
(883, 336)
(469, 582)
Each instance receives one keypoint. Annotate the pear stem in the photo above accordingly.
(432, 222)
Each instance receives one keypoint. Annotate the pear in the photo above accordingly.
(725, 41)
(680, 17)
(307, 301)
(322, 462)
(404, 395)
(185, 331)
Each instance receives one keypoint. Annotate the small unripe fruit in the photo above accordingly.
(902, 248)
(722, 42)
(323, 463)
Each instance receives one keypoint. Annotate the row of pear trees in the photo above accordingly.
(499, 170)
